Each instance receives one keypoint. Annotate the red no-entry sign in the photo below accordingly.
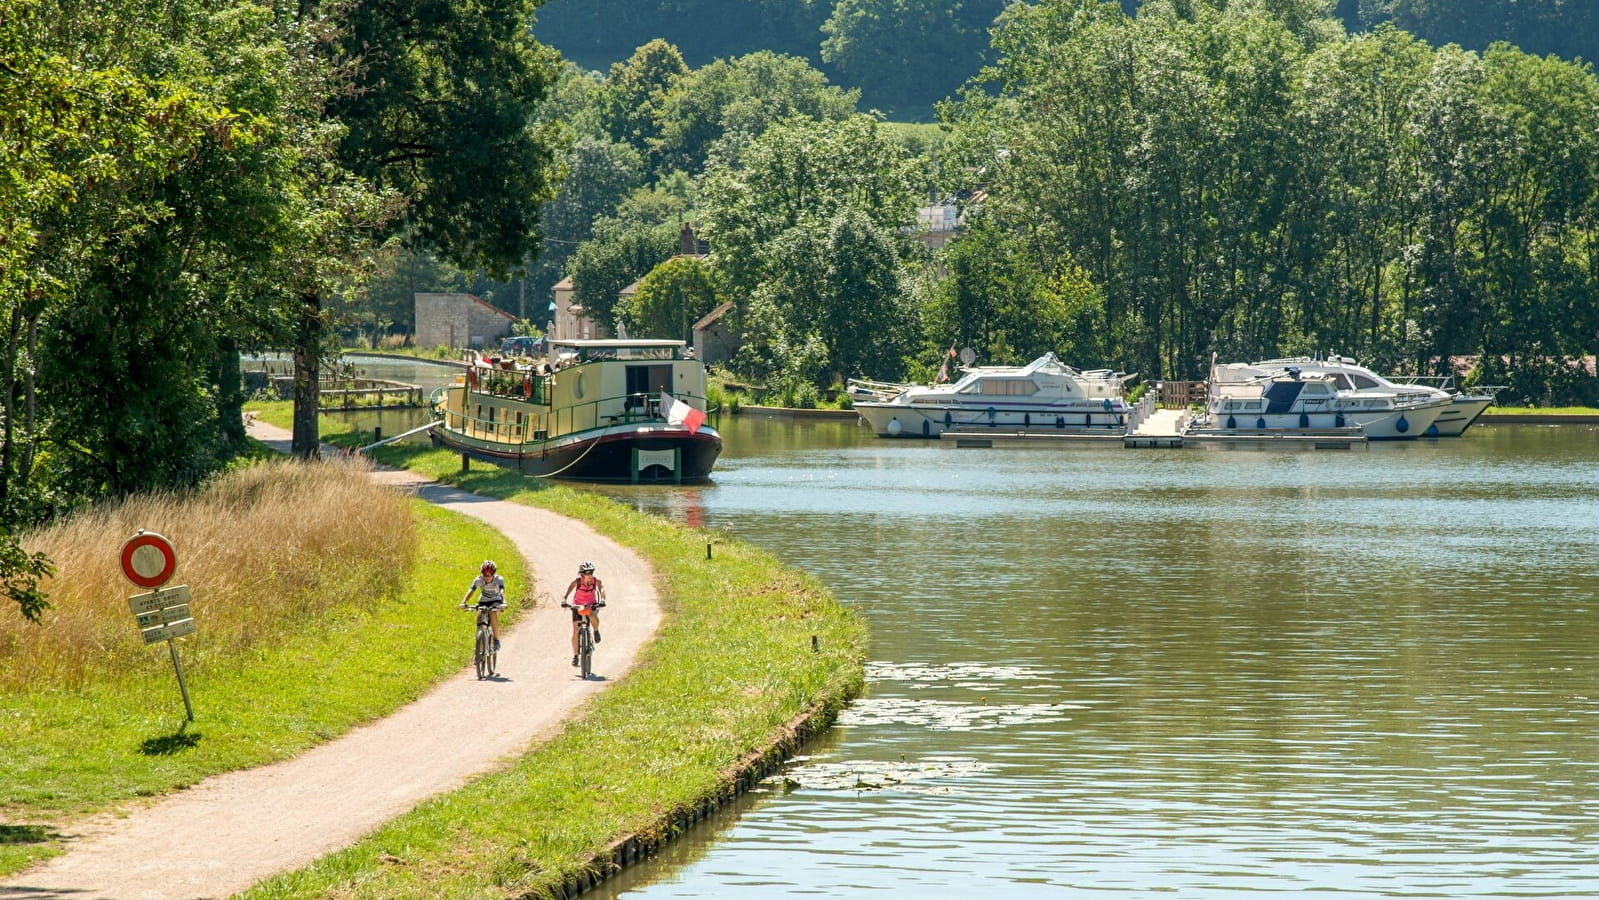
(148, 559)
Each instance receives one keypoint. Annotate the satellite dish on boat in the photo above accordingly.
(967, 355)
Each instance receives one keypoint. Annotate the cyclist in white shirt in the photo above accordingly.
(492, 596)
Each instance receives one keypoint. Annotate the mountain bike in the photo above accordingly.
(484, 655)
(585, 636)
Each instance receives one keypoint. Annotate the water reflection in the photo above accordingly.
(1100, 671)
(1108, 672)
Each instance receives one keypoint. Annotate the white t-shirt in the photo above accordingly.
(493, 589)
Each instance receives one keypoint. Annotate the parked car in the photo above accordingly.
(524, 346)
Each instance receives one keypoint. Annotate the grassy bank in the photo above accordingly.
(733, 665)
(1541, 411)
(300, 576)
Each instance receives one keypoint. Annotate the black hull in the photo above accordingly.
(606, 457)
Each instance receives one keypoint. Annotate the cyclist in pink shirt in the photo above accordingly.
(590, 592)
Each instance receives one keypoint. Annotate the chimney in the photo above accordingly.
(685, 240)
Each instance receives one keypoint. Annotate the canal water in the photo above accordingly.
(1197, 673)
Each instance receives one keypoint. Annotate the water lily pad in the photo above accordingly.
(878, 775)
(966, 675)
(944, 715)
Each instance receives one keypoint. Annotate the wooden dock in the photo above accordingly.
(1161, 429)
(1309, 439)
(1037, 437)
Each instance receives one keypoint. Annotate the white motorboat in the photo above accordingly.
(1044, 395)
(1349, 375)
(1249, 398)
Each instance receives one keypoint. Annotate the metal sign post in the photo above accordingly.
(148, 561)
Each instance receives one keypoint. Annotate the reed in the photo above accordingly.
(260, 549)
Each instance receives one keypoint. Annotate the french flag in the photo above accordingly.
(679, 413)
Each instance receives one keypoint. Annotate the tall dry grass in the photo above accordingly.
(265, 550)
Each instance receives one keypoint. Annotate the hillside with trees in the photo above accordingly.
(1246, 178)
(906, 55)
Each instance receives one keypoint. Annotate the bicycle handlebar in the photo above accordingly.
(566, 605)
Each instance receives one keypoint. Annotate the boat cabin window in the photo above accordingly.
(645, 383)
(1362, 382)
(1342, 381)
(1003, 387)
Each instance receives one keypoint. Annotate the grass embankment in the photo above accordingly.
(1541, 411)
(301, 576)
(731, 668)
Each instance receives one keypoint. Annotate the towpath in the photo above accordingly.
(233, 830)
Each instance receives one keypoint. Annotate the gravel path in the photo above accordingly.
(233, 830)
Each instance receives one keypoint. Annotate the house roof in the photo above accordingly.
(712, 316)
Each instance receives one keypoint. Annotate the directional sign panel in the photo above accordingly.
(139, 604)
(168, 632)
(163, 616)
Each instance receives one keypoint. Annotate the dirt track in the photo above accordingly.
(234, 830)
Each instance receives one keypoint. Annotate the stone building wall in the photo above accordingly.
(459, 321)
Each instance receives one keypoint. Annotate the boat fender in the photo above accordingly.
(1232, 422)
(927, 428)
(991, 414)
(1027, 420)
(894, 427)
(471, 378)
(1432, 431)
(1339, 420)
(1060, 421)
(1107, 404)
(949, 420)
(1304, 421)
(1260, 422)
(1403, 425)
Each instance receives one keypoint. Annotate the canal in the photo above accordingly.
(1203, 673)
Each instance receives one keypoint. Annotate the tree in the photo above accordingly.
(810, 225)
(671, 298)
(441, 109)
(727, 103)
(908, 53)
(620, 254)
(627, 104)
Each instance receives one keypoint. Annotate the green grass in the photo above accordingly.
(1541, 411)
(66, 753)
(733, 663)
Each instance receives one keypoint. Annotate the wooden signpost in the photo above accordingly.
(148, 561)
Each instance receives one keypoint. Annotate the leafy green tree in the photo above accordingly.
(627, 105)
(727, 103)
(864, 317)
(620, 254)
(440, 109)
(908, 53)
(811, 225)
(1539, 27)
(671, 298)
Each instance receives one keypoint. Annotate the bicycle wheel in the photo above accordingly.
(480, 655)
(585, 651)
(494, 655)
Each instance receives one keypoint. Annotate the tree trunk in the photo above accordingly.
(307, 378)
(230, 397)
(30, 403)
(10, 400)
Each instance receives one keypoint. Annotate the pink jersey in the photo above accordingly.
(584, 595)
